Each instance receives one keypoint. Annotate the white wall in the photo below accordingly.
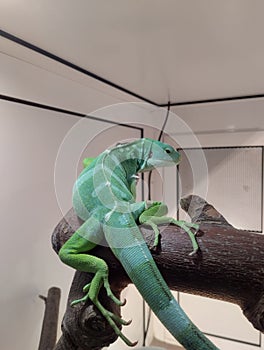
(225, 124)
(29, 211)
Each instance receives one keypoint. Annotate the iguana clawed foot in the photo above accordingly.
(187, 226)
(92, 290)
(156, 215)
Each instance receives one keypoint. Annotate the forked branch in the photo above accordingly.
(229, 266)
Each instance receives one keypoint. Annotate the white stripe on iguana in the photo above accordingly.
(93, 172)
(114, 191)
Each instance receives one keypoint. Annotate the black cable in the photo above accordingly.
(146, 326)
(165, 122)
(159, 138)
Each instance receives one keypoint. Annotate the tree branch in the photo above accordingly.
(229, 266)
(50, 321)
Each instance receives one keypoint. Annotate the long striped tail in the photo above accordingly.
(143, 272)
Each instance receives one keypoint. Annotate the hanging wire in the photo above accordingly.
(159, 138)
(146, 326)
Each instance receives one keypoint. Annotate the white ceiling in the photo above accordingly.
(159, 49)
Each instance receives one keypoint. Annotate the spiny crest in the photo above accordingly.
(129, 145)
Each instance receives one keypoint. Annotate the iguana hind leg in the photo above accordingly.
(74, 254)
(92, 291)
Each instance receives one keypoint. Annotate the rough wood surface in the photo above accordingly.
(229, 266)
(50, 321)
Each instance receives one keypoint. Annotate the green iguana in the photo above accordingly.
(104, 197)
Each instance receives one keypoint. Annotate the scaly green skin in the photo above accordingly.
(104, 197)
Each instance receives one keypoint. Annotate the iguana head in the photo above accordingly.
(157, 154)
(148, 153)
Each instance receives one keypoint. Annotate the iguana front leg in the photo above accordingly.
(74, 254)
(156, 215)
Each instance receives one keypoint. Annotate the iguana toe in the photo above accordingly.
(113, 320)
(82, 300)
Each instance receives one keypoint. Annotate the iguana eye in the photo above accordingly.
(167, 150)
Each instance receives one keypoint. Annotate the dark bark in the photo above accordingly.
(229, 267)
(50, 321)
